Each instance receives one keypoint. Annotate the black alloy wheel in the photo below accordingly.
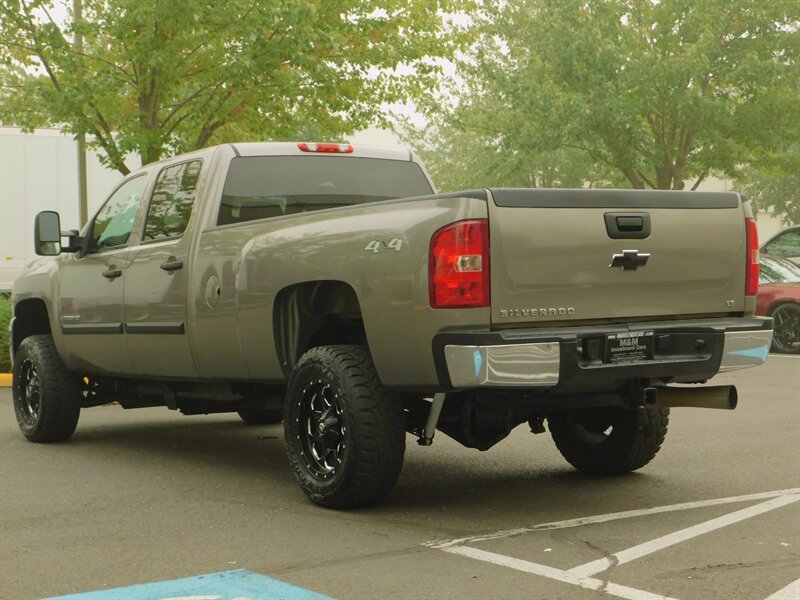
(323, 433)
(786, 329)
(47, 397)
(344, 432)
(29, 392)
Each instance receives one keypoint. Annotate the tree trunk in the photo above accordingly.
(633, 177)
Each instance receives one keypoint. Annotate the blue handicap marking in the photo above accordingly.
(760, 353)
(477, 358)
(239, 584)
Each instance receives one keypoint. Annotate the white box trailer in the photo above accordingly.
(39, 171)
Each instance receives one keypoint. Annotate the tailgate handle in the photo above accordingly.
(627, 226)
(630, 223)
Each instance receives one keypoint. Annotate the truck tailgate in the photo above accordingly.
(577, 255)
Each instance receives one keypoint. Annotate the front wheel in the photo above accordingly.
(46, 395)
(610, 439)
(786, 329)
(344, 432)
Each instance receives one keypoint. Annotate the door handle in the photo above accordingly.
(172, 264)
(112, 273)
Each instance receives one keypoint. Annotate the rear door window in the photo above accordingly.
(172, 201)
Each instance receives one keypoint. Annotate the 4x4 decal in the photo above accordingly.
(376, 246)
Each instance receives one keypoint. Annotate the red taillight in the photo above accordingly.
(325, 147)
(459, 265)
(751, 266)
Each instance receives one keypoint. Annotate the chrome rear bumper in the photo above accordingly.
(685, 351)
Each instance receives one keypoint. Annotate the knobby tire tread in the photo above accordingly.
(59, 392)
(377, 424)
(643, 432)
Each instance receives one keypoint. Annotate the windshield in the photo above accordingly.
(261, 187)
(778, 270)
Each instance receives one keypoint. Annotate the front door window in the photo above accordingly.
(113, 224)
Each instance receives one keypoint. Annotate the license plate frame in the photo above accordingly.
(628, 346)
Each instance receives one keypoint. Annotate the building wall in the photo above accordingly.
(40, 172)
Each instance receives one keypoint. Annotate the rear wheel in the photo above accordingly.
(786, 330)
(610, 439)
(344, 432)
(46, 396)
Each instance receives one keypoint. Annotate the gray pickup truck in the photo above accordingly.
(330, 288)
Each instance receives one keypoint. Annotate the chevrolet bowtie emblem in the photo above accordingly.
(629, 260)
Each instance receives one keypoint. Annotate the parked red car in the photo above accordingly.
(779, 298)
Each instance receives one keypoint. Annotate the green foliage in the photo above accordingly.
(640, 92)
(5, 319)
(154, 77)
(773, 183)
(778, 194)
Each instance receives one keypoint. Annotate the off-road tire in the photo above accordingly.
(786, 329)
(47, 397)
(263, 416)
(344, 432)
(609, 440)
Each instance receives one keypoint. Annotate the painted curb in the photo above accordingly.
(5, 380)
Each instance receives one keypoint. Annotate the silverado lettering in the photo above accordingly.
(536, 312)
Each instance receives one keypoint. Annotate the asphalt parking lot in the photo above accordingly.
(150, 495)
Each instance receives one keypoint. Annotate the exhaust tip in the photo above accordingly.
(733, 397)
(724, 397)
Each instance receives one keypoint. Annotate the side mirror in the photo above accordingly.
(47, 233)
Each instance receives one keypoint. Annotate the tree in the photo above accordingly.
(468, 147)
(157, 76)
(773, 183)
(649, 93)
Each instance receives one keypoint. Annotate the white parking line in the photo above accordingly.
(677, 537)
(589, 583)
(790, 592)
(581, 575)
(627, 514)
